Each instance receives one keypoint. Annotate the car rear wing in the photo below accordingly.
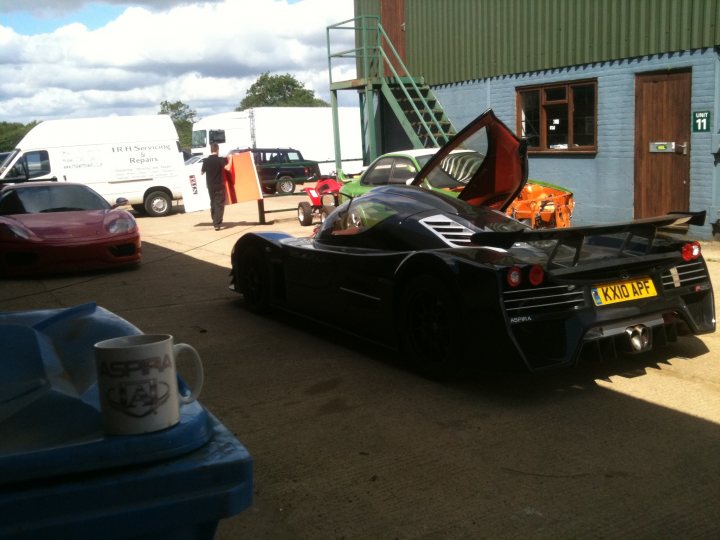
(574, 236)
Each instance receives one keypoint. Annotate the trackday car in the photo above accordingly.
(48, 227)
(456, 282)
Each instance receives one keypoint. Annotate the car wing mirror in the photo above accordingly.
(120, 201)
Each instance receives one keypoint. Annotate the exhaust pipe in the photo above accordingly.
(640, 337)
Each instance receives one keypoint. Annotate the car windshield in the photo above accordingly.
(5, 159)
(41, 199)
(358, 216)
(382, 205)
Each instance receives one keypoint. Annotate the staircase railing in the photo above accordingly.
(409, 81)
(372, 59)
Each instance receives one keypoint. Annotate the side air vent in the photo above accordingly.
(684, 274)
(454, 234)
(543, 299)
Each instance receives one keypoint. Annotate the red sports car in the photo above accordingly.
(49, 227)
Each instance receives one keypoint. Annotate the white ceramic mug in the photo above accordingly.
(138, 382)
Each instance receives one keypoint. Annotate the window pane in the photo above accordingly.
(199, 138)
(380, 174)
(217, 136)
(403, 171)
(530, 122)
(555, 94)
(43, 199)
(584, 115)
(457, 169)
(558, 117)
(557, 126)
(38, 163)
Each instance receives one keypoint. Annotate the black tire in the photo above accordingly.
(252, 279)
(429, 316)
(139, 208)
(325, 211)
(285, 185)
(158, 204)
(305, 214)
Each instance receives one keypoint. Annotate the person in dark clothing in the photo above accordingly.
(213, 167)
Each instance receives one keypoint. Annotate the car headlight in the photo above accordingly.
(121, 225)
(13, 232)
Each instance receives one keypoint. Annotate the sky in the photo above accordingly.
(75, 58)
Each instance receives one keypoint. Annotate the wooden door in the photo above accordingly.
(662, 143)
(392, 18)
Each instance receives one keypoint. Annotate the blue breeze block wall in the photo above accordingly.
(603, 183)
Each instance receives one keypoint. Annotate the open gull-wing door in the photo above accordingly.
(494, 171)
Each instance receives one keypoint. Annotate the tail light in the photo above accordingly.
(536, 275)
(514, 276)
(691, 251)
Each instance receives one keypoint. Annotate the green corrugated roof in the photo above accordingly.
(455, 40)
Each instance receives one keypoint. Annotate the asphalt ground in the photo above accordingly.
(347, 443)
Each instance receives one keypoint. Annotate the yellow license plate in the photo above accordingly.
(623, 291)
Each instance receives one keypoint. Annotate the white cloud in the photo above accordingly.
(51, 8)
(203, 54)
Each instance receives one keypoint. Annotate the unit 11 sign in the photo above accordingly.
(701, 121)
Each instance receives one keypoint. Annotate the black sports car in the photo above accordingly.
(452, 280)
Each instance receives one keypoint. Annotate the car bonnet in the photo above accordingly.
(57, 225)
(502, 157)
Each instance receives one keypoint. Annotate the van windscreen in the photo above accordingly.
(199, 138)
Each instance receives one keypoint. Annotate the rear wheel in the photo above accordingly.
(285, 185)
(429, 319)
(305, 213)
(252, 279)
(158, 203)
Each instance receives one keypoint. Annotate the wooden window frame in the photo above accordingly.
(543, 103)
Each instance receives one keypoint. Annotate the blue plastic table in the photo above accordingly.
(61, 477)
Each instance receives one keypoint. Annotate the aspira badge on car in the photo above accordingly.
(623, 291)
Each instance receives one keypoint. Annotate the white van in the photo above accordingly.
(135, 157)
(308, 129)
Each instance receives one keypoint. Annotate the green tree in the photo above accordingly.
(279, 91)
(183, 117)
(12, 132)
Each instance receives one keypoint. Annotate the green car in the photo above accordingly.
(401, 167)
(549, 206)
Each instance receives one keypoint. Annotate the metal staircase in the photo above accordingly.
(384, 85)
(420, 113)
